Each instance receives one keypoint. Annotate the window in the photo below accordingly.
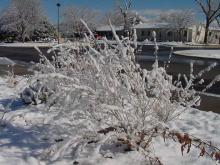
(210, 33)
(169, 34)
(216, 36)
(185, 33)
(149, 33)
(142, 32)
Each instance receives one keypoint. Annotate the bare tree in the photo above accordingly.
(115, 16)
(129, 17)
(179, 20)
(211, 9)
(21, 17)
(122, 15)
(125, 12)
(71, 19)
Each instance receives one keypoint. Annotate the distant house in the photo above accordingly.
(214, 35)
(198, 33)
(166, 32)
(107, 32)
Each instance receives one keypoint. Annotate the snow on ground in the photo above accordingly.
(23, 138)
(167, 43)
(26, 44)
(6, 61)
(214, 54)
(180, 44)
(204, 125)
(18, 142)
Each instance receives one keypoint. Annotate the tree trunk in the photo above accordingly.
(126, 27)
(22, 33)
(180, 34)
(206, 32)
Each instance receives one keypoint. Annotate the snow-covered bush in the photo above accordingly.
(36, 93)
(101, 96)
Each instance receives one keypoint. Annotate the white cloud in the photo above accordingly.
(153, 13)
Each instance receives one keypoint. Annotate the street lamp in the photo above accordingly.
(58, 21)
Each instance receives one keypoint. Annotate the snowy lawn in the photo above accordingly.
(26, 44)
(214, 54)
(24, 135)
(204, 125)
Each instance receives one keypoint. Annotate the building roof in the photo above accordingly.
(139, 26)
(214, 28)
(151, 25)
(108, 28)
(142, 18)
(148, 25)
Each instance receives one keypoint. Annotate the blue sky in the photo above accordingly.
(148, 7)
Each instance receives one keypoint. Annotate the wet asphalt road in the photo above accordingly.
(179, 64)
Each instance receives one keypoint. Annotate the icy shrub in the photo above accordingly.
(102, 97)
(36, 93)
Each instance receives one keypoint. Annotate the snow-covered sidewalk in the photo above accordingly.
(213, 54)
(26, 44)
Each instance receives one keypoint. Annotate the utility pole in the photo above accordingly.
(58, 21)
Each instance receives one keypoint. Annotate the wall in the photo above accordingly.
(199, 34)
(194, 34)
(163, 35)
(214, 37)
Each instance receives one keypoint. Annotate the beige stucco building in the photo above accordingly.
(194, 34)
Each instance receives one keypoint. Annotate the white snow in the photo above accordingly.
(204, 125)
(26, 135)
(152, 25)
(26, 44)
(139, 26)
(6, 61)
(166, 43)
(108, 28)
(214, 54)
